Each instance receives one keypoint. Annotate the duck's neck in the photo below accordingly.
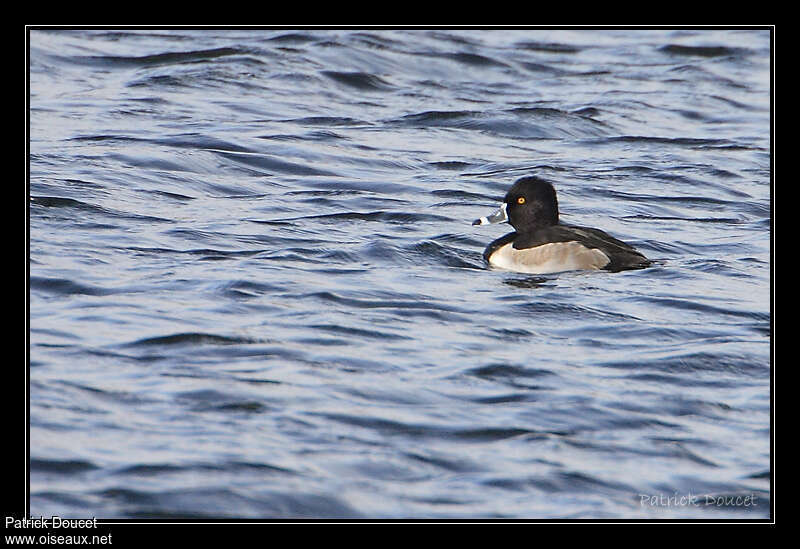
(533, 227)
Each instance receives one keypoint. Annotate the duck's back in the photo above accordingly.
(621, 255)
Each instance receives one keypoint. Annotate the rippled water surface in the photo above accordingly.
(255, 289)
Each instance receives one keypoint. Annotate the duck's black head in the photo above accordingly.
(530, 203)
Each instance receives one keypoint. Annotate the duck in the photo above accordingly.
(541, 244)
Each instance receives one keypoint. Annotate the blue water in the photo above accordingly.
(255, 289)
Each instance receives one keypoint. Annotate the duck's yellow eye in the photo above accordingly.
(521, 200)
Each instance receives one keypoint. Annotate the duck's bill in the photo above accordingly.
(499, 216)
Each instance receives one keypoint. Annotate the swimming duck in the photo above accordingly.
(540, 244)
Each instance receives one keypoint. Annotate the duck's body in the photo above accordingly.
(540, 244)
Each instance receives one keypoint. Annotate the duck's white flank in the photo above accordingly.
(549, 258)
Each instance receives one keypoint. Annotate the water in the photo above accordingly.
(255, 290)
